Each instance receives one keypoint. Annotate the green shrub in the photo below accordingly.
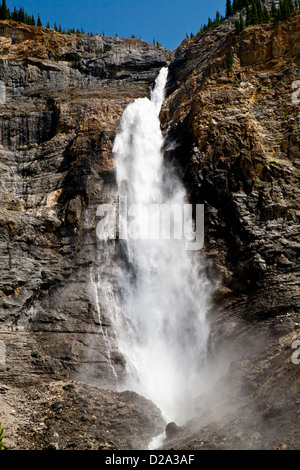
(2, 446)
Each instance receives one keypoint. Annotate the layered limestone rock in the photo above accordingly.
(65, 95)
(234, 135)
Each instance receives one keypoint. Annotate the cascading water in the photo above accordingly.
(164, 292)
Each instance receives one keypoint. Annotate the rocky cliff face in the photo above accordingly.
(234, 137)
(233, 133)
(64, 99)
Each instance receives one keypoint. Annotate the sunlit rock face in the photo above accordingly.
(64, 97)
(234, 135)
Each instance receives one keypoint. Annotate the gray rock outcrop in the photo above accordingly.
(65, 95)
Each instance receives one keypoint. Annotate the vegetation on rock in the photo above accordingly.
(2, 446)
(23, 17)
(251, 12)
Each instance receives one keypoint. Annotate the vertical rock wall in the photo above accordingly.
(65, 95)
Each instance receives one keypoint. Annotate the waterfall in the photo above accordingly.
(164, 292)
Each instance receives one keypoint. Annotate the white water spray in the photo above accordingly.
(165, 293)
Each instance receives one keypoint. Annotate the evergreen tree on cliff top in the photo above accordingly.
(4, 11)
(228, 8)
(39, 23)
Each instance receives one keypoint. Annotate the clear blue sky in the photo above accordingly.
(166, 21)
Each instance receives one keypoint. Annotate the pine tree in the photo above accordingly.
(39, 23)
(273, 10)
(228, 8)
(248, 16)
(4, 11)
(15, 15)
(27, 19)
(291, 6)
(259, 9)
(239, 24)
(242, 22)
(282, 12)
(21, 15)
(255, 17)
(237, 27)
(266, 15)
(279, 15)
(230, 60)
